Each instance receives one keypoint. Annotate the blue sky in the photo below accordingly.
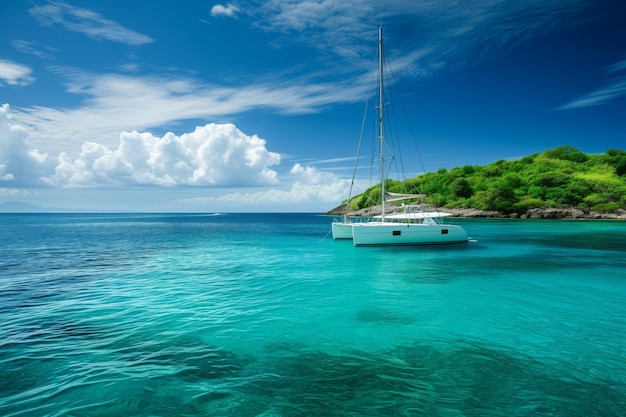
(257, 105)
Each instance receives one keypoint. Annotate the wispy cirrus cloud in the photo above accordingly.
(87, 22)
(31, 48)
(13, 73)
(608, 93)
(114, 102)
(441, 33)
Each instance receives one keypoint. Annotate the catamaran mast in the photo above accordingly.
(381, 127)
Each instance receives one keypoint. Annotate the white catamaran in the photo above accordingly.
(415, 224)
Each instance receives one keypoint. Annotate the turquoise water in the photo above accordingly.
(265, 315)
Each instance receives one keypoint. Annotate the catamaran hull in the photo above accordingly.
(342, 230)
(372, 234)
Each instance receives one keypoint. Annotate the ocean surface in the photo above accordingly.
(266, 315)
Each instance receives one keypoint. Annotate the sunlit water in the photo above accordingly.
(266, 315)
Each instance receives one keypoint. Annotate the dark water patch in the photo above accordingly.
(527, 262)
(463, 379)
(134, 376)
(91, 257)
(579, 235)
(442, 265)
(431, 273)
(64, 330)
(185, 376)
(285, 348)
(186, 358)
(612, 241)
(22, 297)
(33, 336)
(212, 363)
(384, 316)
(18, 375)
(534, 262)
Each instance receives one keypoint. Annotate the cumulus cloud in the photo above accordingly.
(12, 73)
(217, 155)
(87, 22)
(213, 155)
(219, 10)
(319, 185)
(310, 186)
(20, 165)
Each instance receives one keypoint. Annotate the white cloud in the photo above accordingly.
(20, 165)
(31, 48)
(218, 155)
(311, 190)
(116, 103)
(7, 193)
(310, 175)
(618, 66)
(212, 155)
(608, 93)
(12, 73)
(219, 10)
(451, 33)
(87, 22)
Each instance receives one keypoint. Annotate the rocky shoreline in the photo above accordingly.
(535, 213)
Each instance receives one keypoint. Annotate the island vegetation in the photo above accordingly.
(560, 178)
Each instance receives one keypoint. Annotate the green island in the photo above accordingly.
(559, 183)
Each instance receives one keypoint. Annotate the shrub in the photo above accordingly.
(527, 203)
(567, 153)
(606, 207)
(461, 188)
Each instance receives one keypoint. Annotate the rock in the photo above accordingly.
(567, 213)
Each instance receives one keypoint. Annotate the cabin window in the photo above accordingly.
(444, 231)
(397, 232)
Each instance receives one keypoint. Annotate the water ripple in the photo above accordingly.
(188, 315)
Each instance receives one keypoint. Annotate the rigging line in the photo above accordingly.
(324, 238)
(375, 150)
(406, 116)
(393, 126)
(358, 151)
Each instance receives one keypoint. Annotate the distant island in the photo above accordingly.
(560, 183)
(20, 207)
